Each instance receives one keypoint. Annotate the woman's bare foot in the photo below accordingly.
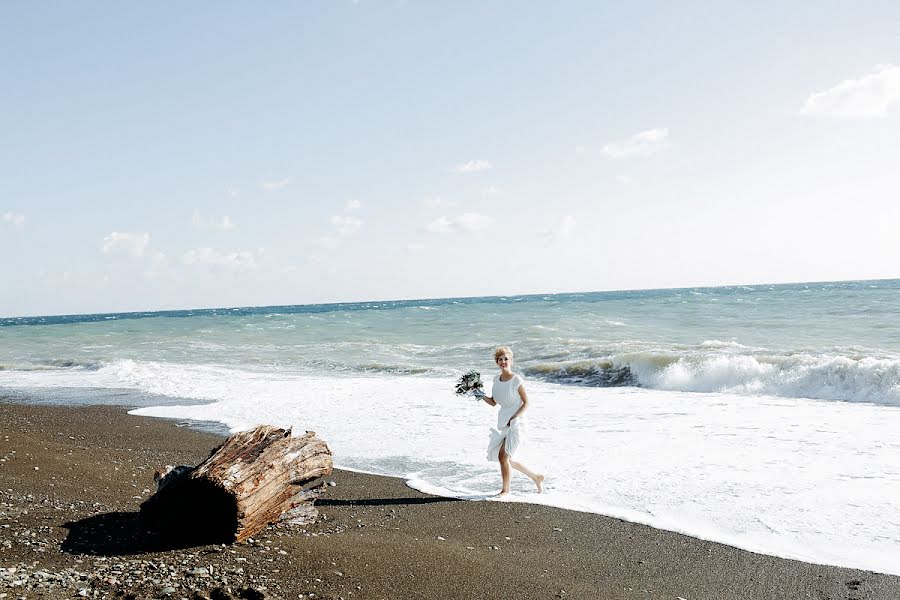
(539, 482)
(501, 493)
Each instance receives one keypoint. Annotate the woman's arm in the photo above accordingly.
(489, 400)
(523, 395)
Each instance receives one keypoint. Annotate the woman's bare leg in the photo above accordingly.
(537, 478)
(504, 469)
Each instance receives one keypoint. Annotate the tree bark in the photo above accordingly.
(255, 478)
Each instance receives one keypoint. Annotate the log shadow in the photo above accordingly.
(124, 533)
(383, 501)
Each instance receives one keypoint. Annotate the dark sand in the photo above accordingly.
(71, 481)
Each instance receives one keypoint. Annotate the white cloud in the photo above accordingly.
(472, 166)
(470, 222)
(640, 144)
(567, 226)
(564, 229)
(17, 220)
(158, 266)
(223, 224)
(133, 244)
(440, 225)
(137, 246)
(491, 190)
(625, 179)
(474, 221)
(870, 96)
(201, 257)
(436, 202)
(342, 227)
(275, 185)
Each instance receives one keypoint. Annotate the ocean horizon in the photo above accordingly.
(139, 313)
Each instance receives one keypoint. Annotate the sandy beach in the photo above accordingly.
(72, 479)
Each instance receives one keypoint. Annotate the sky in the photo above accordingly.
(211, 154)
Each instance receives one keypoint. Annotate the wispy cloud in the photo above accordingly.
(17, 220)
(157, 266)
(276, 184)
(343, 226)
(870, 96)
(489, 191)
(640, 144)
(136, 246)
(131, 244)
(208, 257)
(472, 166)
(469, 222)
(565, 228)
(440, 225)
(224, 224)
(437, 202)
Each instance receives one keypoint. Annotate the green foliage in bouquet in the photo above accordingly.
(470, 385)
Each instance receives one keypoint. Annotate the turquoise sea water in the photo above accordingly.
(760, 416)
(831, 341)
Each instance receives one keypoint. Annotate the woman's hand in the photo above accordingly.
(524, 397)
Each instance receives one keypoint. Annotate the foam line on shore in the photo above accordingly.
(780, 476)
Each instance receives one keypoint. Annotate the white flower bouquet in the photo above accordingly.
(470, 385)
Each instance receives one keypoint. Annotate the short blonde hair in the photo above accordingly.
(501, 350)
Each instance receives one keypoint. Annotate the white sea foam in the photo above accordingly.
(821, 377)
(796, 478)
(722, 344)
(842, 374)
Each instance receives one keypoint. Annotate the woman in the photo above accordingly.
(509, 393)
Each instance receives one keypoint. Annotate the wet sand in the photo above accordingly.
(72, 479)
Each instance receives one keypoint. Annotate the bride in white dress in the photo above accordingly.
(509, 393)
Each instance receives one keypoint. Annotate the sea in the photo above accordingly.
(766, 417)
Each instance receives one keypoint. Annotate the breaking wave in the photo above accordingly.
(54, 364)
(798, 375)
(841, 374)
(589, 373)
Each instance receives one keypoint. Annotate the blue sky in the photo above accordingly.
(220, 154)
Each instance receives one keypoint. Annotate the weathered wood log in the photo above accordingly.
(255, 478)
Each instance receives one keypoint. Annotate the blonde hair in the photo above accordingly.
(501, 350)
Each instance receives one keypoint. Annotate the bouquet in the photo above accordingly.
(470, 385)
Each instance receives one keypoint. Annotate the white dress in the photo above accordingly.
(506, 395)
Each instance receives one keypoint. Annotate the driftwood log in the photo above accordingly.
(255, 478)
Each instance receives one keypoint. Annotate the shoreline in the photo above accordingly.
(72, 479)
